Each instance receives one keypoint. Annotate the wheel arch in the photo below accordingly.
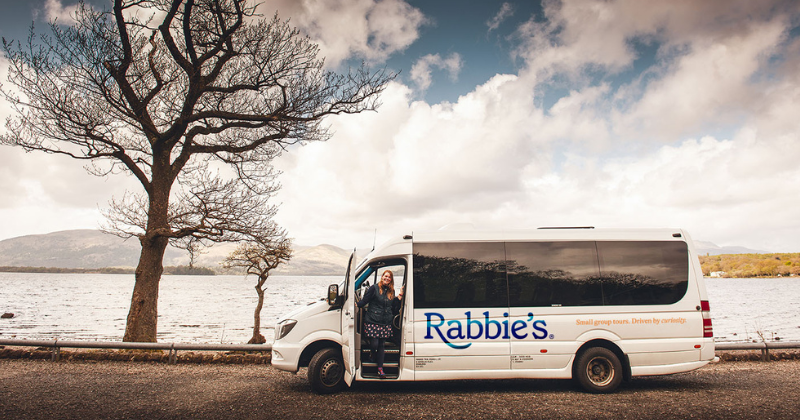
(313, 348)
(610, 345)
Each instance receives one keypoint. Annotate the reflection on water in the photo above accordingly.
(219, 309)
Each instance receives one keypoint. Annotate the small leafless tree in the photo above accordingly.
(258, 258)
(194, 98)
(193, 247)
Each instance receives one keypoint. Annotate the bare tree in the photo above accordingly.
(259, 257)
(193, 247)
(194, 98)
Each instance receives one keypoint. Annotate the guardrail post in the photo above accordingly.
(173, 354)
(56, 353)
(765, 354)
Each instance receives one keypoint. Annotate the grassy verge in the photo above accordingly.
(752, 265)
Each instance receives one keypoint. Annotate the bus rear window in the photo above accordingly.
(643, 273)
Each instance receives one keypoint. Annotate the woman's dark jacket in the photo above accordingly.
(381, 309)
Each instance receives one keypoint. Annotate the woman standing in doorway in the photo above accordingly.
(378, 321)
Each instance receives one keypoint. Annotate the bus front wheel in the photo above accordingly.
(326, 371)
(598, 370)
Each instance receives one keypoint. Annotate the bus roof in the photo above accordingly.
(556, 234)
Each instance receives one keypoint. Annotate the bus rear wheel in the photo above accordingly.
(326, 371)
(598, 370)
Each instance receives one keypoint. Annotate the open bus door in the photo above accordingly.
(348, 323)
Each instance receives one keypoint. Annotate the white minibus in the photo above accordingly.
(594, 305)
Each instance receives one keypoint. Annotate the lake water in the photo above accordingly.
(219, 309)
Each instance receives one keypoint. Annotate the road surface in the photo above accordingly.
(41, 389)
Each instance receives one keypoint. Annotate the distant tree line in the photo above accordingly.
(752, 265)
(175, 270)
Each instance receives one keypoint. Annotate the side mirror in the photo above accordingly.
(333, 294)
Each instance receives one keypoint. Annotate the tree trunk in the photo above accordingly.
(257, 337)
(143, 315)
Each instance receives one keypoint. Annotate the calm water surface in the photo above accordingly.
(219, 309)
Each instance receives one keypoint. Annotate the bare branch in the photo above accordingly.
(259, 257)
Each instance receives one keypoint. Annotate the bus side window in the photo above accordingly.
(553, 273)
(460, 275)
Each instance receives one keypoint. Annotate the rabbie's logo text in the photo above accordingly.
(486, 328)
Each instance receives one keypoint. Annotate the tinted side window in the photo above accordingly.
(553, 274)
(643, 273)
(460, 275)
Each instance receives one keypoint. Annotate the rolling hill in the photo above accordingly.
(88, 248)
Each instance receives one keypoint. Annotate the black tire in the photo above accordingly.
(326, 371)
(598, 370)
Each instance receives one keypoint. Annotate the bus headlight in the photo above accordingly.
(283, 328)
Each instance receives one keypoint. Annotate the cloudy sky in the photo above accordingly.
(514, 114)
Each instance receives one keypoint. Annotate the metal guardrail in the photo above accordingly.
(758, 346)
(173, 348)
(765, 347)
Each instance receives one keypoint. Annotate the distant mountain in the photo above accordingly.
(320, 260)
(710, 248)
(72, 249)
(94, 249)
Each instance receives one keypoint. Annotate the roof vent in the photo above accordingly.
(567, 227)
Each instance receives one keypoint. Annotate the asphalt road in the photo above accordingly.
(39, 389)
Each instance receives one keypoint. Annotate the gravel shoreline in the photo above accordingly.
(39, 389)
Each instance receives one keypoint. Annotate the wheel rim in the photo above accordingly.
(331, 372)
(600, 371)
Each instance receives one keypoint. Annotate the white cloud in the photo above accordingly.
(716, 188)
(635, 156)
(412, 161)
(421, 71)
(33, 218)
(706, 139)
(42, 193)
(366, 29)
(10, 162)
(55, 10)
(578, 35)
(578, 120)
(505, 12)
(708, 86)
